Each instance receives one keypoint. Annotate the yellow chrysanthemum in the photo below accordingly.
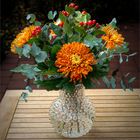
(22, 38)
(74, 60)
(112, 37)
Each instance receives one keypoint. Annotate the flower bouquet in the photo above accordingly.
(71, 52)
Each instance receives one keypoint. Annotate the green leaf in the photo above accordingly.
(35, 50)
(69, 87)
(41, 57)
(57, 30)
(113, 22)
(26, 69)
(26, 51)
(19, 51)
(28, 88)
(123, 85)
(69, 9)
(121, 59)
(123, 49)
(51, 15)
(24, 96)
(91, 41)
(51, 71)
(88, 83)
(42, 66)
(133, 54)
(82, 18)
(132, 80)
(62, 82)
(106, 81)
(37, 23)
(67, 29)
(80, 30)
(75, 37)
(62, 17)
(31, 18)
(54, 51)
(127, 58)
(98, 32)
(113, 82)
(49, 84)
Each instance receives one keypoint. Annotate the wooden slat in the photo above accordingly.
(97, 129)
(32, 115)
(95, 97)
(48, 124)
(96, 105)
(93, 135)
(113, 101)
(117, 116)
(98, 109)
(7, 108)
(85, 138)
(99, 118)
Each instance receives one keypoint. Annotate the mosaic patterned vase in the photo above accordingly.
(72, 115)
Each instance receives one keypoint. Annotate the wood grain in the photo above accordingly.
(117, 116)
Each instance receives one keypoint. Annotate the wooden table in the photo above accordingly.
(117, 116)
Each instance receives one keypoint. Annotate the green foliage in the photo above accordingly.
(132, 80)
(51, 15)
(57, 30)
(92, 41)
(50, 84)
(37, 23)
(39, 55)
(72, 27)
(121, 59)
(24, 96)
(26, 50)
(27, 70)
(113, 22)
(28, 88)
(82, 17)
(31, 18)
(68, 29)
(54, 51)
(69, 9)
(88, 83)
(69, 87)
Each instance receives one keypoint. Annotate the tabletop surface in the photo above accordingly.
(117, 115)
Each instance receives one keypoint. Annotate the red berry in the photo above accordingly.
(97, 25)
(65, 13)
(93, 22)
(72, 5)
(36, 31)
(81, 23)
(61, 24)
(89, 23)
(84, 12)
(76, 7)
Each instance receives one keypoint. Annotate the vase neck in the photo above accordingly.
(78, 94)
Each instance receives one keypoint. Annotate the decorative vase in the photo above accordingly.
(72, 115)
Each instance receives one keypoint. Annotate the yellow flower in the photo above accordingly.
(112, 37)
(22, 37)
(74, 60)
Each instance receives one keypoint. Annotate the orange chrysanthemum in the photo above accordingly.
(23, 37)
(74, 60)
(112, 37)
